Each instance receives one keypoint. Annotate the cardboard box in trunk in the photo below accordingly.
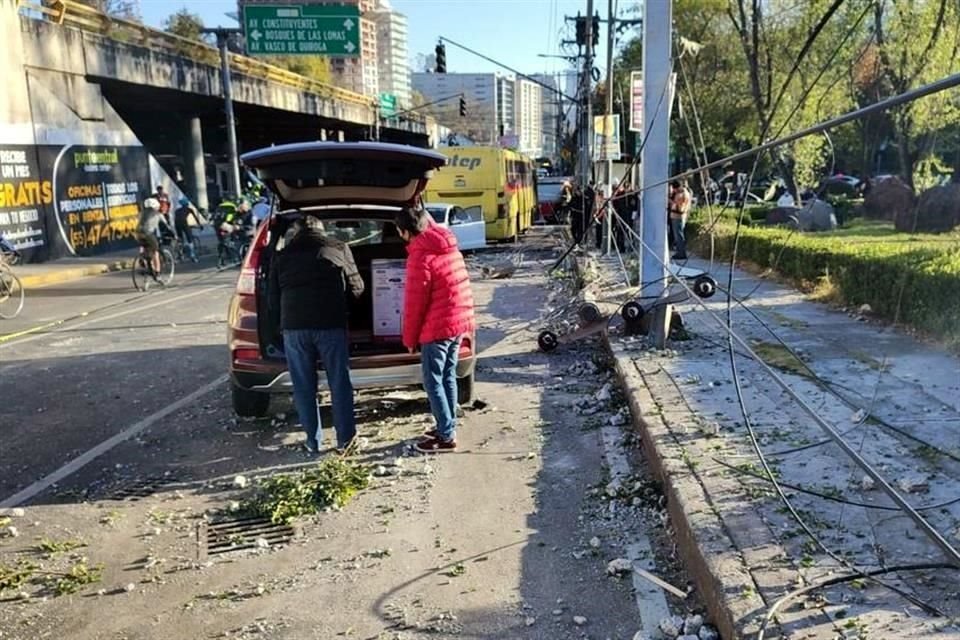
(388, 277)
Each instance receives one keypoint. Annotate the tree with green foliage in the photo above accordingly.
(917, 43)
(313, 67)
(184, 23)
(124, 9)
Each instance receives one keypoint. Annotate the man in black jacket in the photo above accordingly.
(310, 279)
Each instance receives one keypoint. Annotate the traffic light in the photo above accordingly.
(582, 30)
(463, 107)
(441, 52)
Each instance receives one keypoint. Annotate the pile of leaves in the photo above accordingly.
(868, 262)
(330, 484)
(26, 573)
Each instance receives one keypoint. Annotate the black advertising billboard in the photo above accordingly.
(71, 200)
(97, 192)
(25, 199)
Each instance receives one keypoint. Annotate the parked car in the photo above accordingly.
(840, 185)
(548, 200)
(354, 189)
(466, 223)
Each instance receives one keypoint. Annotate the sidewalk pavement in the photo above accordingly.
(892, 397)
(75, 267)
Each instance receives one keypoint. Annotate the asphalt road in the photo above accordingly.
(102, 357)
(508, 538)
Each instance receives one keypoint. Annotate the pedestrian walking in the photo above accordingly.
(437, 313)
(678, 206)
(311, 278)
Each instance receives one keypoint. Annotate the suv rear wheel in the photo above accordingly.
(465, 389)
(249, 404)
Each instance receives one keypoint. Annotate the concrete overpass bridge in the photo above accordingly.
(78, 78)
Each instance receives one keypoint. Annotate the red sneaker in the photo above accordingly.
(436, 445)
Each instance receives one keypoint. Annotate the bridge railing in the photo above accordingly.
(76, 14)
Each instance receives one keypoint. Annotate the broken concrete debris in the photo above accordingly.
(619, 566)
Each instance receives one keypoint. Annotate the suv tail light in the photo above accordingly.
(247, 282)
(246, 354)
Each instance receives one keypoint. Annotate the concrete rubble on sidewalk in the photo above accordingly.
(894, 399)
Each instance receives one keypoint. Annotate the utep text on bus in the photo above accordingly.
(469, 163)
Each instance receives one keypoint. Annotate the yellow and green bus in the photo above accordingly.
(501, 181)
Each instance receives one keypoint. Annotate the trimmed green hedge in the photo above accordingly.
(867, 262)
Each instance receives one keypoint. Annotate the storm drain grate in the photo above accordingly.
(214, 538)
(141, 488)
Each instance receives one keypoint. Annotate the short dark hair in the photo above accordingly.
(412, 220)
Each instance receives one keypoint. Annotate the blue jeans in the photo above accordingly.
(679, 239)
(439, 362)
(303, 348)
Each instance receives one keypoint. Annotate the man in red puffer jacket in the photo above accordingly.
(437, 313)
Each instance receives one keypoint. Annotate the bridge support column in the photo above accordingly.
(196, 167)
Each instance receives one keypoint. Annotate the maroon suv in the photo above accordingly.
(354, 189)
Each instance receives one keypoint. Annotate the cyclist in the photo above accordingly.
(148, 227)
(163, 198)
(181, 219)
(8, 252)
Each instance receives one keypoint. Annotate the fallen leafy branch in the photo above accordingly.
(332, 483)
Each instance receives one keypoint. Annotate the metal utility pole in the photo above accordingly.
(586, 129)
(655, 158)
(223, 36)
(608, 187)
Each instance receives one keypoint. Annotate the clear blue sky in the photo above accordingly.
(512, 31)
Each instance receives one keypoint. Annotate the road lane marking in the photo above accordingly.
(89, 456)
(32, 334)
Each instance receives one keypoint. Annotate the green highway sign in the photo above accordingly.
(325, 30)
(388, 104)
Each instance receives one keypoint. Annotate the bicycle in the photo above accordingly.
(11, 292)
(142, 270)
(231, 247)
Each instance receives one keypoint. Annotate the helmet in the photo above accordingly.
(184, 201)
(151, 203)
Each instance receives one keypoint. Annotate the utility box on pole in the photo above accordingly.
(655, 158)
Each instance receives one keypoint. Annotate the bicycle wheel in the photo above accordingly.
(140, 272)
(167, 266)
(222, 255)
(11, 294)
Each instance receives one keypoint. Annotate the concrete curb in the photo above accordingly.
(709, 553)
(67, 274)
(706, 547)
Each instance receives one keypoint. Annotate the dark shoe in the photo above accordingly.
(429, 435)
(310, 449)
(677, 256)
(436, 445)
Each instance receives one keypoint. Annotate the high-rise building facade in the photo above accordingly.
(528, 106)
(355, 73)
(552, 106)
(394, 65)
(488, 97)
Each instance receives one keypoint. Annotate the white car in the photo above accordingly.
(466, 223)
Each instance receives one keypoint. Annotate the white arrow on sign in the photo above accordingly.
(348, 24)
(349, 47)
(256, 35)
